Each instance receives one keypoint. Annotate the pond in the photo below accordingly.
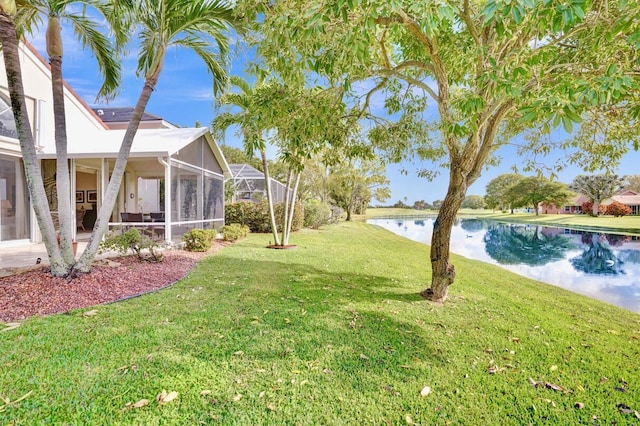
(598, 265)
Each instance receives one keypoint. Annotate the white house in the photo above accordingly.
(184, 165)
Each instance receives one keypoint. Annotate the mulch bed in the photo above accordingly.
(36, 292)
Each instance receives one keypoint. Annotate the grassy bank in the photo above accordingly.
(332, 332)
(629, 224)
(626, 224)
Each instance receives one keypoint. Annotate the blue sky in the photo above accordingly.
(184, 96)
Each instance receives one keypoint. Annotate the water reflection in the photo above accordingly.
(529, 245)
(602, 266)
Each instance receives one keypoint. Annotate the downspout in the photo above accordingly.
(167, 199)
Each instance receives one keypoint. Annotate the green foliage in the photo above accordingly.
(199, 239)
(316, 214)
(617, 209)
(498, 194)
(142, 245)
(473, 202)
(596, 187)
(234, 232)
(533, 190)
(256, 215)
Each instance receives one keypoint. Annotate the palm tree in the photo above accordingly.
(10, 52)
(247, 100)
(28, 19)
(200, 25)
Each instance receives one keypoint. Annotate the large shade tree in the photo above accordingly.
(533, 191)
(483, 65)
(203, 26)
(497, 191)
(596, 188)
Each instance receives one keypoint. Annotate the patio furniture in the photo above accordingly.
(79, 217)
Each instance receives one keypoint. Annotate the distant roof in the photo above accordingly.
(122, 114)
(245, 171)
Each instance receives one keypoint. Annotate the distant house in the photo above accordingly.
(627, 197)
(250, 185)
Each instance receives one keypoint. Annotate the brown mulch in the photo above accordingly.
(36, 292)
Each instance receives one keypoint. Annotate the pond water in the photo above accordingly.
(598, 265)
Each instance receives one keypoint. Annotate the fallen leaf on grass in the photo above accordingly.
(237, 397)
(11, 326)
(327, 371)
(553, 368)
(579, 405)
(425, 391)
(205, 392)
(141, 403)
(363, 356)
(90, 313)
(164, 397)
(238, 353)
(408, 419)
(271, 407)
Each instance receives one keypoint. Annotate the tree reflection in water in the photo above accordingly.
(525, 244)
(598, 257)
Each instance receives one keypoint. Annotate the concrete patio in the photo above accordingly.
(20, 258)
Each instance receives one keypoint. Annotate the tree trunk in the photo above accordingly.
(595, 208)
(285, 215)
(294, 196)
(63, 186)
(267, 186)
(102, 222)
(443, 273)
(33, 175)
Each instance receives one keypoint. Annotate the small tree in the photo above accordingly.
(498, 194)
(473, 202)
(533, 190)
(617, 209)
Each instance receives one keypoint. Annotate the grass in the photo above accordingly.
(333, 332)
(626, 223)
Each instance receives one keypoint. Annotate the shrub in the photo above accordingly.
(587, 208)
(256, 216)
(142, 245)
(198, 239)
(234, 232)
(617, 209)
(316, 214)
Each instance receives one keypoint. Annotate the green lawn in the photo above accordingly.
(333, 332)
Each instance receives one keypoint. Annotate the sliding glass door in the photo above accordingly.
(14, 204)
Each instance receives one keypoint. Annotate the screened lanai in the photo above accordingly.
(174, 180)
(249, 184)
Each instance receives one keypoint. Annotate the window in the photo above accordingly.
(7, 123)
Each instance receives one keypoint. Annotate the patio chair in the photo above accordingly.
(79, 217)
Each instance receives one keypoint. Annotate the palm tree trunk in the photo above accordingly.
(102, 222)
(63, 186)
(267, 185)
(33, 175)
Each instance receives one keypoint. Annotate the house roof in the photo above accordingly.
(245, 171)
(122, 114)
(147, 143)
